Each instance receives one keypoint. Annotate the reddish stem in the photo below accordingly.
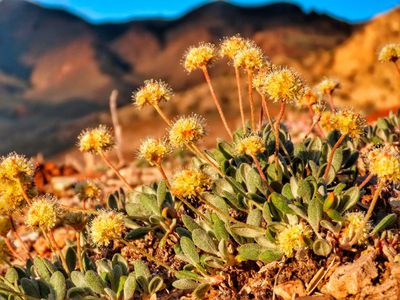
(239, 88)
(330, 158)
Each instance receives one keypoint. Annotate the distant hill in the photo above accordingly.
(56, 70)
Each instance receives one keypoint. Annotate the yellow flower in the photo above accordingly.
(389, 53)
(5, 225)
(353, 221)
(199, 57)
(309, 97)
(17, 167)
(230, 46)
(350, 123)
(283, 85)
(190, 183)
(249, 58)
(293, 238)
(385, 163)
(250, 145)
(95, 140)
(186, 130)
(153, 151)
(328, 86)
(106, 227)
(11, 197)
(152, 92)
(43, 212)
(328, 121)
(88, 190)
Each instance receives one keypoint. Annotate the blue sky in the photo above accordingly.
(98, 11)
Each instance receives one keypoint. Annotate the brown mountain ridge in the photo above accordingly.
(56, 70)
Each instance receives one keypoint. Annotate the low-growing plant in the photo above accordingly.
(256, 198)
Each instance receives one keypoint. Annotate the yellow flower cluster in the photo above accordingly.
(199, 57)
(350, 123)
(293, 238)
(352, 223)
(43, 212)
(283, 85)
(346, 121)
(250, 145)
(16, 174)
(106, 227)
(385, 163)
(190, 183)
(230, 46)
(309, 97)
(389, 53)
(88, 190)
(152, 92)
(153, 151)
(250, 58)
(96, 140)
(328, 86)
(186, 130)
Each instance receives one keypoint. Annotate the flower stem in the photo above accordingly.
(277, 127)
(163, 116)
(148, 256)
(251, 100)
(79, 250)
(260, 171)
(239, 88)
(163, 174)
(24, 194)
(216, 101)
(59, 252)
(378, 191)
(11, 249)
(365, 181)
(114, 168)
(18, 237)
(200, 153)
(331, 154)
(330, 101)
(397, 67)
(266, 110)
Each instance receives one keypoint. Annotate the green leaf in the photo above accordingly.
(137, 233)
(219, 203)
(349, 198)
(57, 281)
(129, 287)
(189, 249)
(219, 228)
(254, 217)
(78, 279)
(161, 193)
(190, 223)
(305, 190)
(155, 284)
(150, 203)
(141, 269)
(94, 282)
(334, 215)
(322, 247)
(281, 203)
(71, 258)
(386, 222)
(246, 231)
(298, 211)
(41, 268)
(183, 274)
(250, 251)
(203, 241)
(29, 288)
(337, 160)
(185, 284)
(253, 181)
(12, 275)
(270, 255)
(314, 212)
(201, 291)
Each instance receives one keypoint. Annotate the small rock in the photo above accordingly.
(351, 279)
(290, 289)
